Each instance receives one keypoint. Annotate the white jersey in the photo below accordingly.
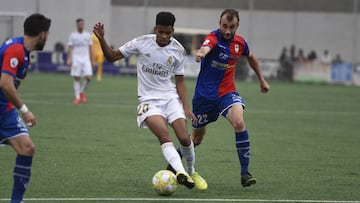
(155, 66)
(80, 43)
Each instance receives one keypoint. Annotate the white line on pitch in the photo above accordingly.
(186, 199)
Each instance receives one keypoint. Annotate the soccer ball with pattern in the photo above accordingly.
(164, 182)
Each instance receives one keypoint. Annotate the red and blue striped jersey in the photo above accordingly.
(14, 60)
(217, 72)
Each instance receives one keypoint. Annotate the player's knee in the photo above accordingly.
(239, 125)
(27, 150)
(196, 141)
(164, 139)
(185, 141)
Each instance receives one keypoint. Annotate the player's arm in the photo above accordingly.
(208, 44)
(91, 54)
(181, 89)
(254, 64)
(12, 60)
(201, 53)
(8, 88)
(109, 53)
(69, 56)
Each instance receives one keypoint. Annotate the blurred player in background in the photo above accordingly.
(79, 58)
(98, 57)
(215, 91)
(14, 63)
(162, 102)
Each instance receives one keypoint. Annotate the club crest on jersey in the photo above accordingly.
(206, 42)
(169, 60)
(236, 48)
(14, 62)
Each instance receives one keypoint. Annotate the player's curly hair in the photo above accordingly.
(165, 18)
(36, 23)
(230, 14)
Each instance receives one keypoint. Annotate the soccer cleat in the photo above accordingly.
(200, 182)
(185, 179)
(82, 97)
(77, 101)
(247, 179)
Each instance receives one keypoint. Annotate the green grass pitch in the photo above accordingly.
(305, 144)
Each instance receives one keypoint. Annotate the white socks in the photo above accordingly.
(85, 85)
(172, 156)
(77, 89)
(189, 155)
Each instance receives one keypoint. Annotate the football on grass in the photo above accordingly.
(164, 182)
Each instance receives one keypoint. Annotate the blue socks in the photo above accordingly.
(22, 171)
(243, 150)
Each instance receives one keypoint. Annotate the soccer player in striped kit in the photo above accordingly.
(215, 91)
(14, 63)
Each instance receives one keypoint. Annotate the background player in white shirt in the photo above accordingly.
(161, 101)
(79, 59)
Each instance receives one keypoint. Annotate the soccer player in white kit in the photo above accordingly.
(160, 57)
(79, 60)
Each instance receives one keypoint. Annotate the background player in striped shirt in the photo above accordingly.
(215, 91)
(14, 63)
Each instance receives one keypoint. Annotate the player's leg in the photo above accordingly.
(176, 118)
(186, 149)
(25, 149)
(14, 132)
(186, 145)
(99, 61)
(76, 73)
(158, 126)
(235, 116)
(206, 112)
(198, 135)
(88, 72)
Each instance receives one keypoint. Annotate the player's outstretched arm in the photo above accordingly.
(201, 53)
(109, 53)
(254, 64)
(181, 89)
(10, 92)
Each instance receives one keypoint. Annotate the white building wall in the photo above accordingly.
(266, 31)
(63, 14)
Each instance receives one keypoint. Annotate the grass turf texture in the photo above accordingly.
(304, 143)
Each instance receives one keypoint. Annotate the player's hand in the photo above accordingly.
(29, 119)
(264, 86)
(98, 30)
(191, 116)
(199, 55)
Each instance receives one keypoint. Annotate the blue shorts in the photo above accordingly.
(208, 111)
(11, 125)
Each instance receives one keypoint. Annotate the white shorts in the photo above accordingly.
(171, 109)
(81, 68)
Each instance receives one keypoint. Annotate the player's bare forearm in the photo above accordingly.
(254, 64)
(109, 53)
(201, 53)
(181, 89)
(9, 90)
